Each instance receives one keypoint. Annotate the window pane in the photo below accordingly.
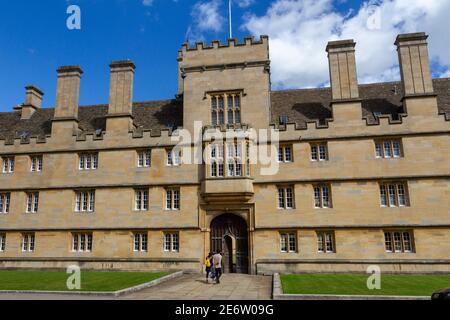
(388, 241)
(144, 239)
(323, 152)
(138, 200)
(237, 117)
(176, 199)
(136, 242)
(292, 242)
(288, 154)
(175, 244)
(91, 201)
(317, 197)
(401, 195)
(387, 149)
(283, 242)
(326, 196)
(289, 198)
(281, 203)
(320, 242)
(397, 242)
(169, 199)
(392, 196)
(314, 155)
(280, 154)
(407, 242)
(329, 240)
(145, 204)
(378, 150)
(36, 202)
(383, 196)
(396, 149)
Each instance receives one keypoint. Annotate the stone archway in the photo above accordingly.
(229, 234)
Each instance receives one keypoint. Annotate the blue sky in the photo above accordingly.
(35, 40)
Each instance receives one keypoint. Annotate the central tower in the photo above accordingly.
(233, 79)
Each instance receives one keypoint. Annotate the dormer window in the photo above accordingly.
(226, 108)
(284, 119)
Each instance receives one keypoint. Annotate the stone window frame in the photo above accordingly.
(289, 236)
(282, 153)
(36, 163)
(221, 108)
(140, 241)
(144, 158)
(5, 202)
(84, 201)
(319, 196)
(319, 151)
(88, 161)
(28, 242)
(141, 197)
(394, 194)
(231, 156)
(175, 199)
(171, 241)
(174, 157)
(324, 238)
(388, 148)
(32, 202)
(283, 199)
(82, 242)
(8, 164)
(396, 242)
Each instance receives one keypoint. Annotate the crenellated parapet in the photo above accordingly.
(218, 55)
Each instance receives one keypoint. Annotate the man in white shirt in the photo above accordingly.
(217, 262)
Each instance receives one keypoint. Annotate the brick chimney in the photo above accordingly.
(120, 119)
(345, 103)
(414, 64)
(67, 100)
(33, 101)
(344, 82)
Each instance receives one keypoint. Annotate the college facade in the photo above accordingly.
(363, 171)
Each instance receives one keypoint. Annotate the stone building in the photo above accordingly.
(363, 171)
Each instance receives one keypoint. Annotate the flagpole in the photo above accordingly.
(231, 27)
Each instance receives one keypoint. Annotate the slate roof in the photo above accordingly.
(300, 106)
(155, 115)
(304, 105)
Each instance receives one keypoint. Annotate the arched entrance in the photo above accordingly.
(229, 234)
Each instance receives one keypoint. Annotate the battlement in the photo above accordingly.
(219, 53)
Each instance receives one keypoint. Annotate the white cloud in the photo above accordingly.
(300, 30)
(244, 3)
(207, 16)
(147, 3)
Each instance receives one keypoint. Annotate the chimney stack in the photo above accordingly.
(65, 120)
(120, 118)
(68, 93)
(344, 82)
(414, 64)
(33, 101)
(121, 87)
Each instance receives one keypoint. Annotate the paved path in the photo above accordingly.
(194, 287)
(187, 287)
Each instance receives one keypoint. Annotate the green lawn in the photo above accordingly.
(349, 284)
(90, 281)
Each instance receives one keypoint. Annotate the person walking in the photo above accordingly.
(217, 263)
(208, 264)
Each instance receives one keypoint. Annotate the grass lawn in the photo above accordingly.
(349, 284)
(90, 281)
